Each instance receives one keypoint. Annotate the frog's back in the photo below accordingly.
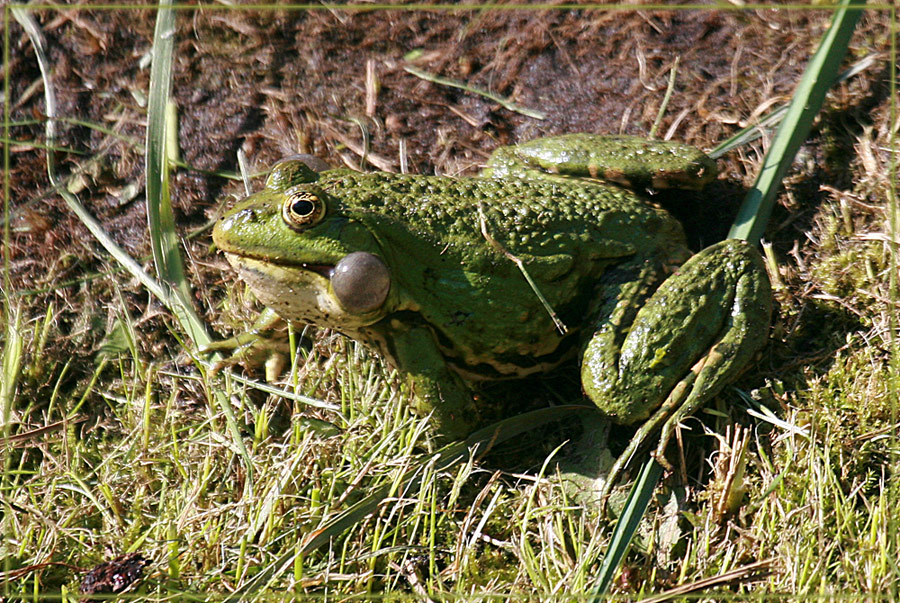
(522, 214)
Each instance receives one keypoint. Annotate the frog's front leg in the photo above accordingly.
(695, 334)
(256, 347)
(438, 390)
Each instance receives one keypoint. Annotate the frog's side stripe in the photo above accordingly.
(511, 366)
(500, 366)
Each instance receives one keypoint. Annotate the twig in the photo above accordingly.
(506, 104)
(742, 575)
(496, 245)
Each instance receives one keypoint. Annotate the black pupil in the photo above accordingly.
(303, 207)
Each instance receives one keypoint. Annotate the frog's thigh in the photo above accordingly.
(694, 335)
(573, 154)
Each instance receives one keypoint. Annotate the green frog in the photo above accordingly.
(550, 254)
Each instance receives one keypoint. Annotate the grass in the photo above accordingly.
(224, 486)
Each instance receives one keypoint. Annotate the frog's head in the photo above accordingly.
(303, 256)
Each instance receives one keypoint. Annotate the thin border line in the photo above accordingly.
(451, 7)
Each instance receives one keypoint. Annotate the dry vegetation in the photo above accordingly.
(112, 443)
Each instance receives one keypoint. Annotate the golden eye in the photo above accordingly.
(302, 209)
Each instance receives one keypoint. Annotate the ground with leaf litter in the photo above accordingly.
(333, 82)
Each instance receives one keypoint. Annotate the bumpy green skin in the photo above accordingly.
(460, 310)
(625, 160)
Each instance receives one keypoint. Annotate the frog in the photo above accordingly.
(553, 253)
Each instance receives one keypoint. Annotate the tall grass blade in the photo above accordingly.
(749, 225)
(172, 298)
(626, 527)
(163, 238)
(10, 369)
(751, 220)
(23, 16)
(160, 218)
(159, 290)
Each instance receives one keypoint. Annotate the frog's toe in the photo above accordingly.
(251, 351)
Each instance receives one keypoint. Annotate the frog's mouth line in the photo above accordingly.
(324, 270)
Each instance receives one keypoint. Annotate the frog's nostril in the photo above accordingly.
(249, 215)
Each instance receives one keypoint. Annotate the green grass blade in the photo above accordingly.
(10, 370)
(160, 218)
(172, 298)
(163, 237)
(751, 220)
(771, 121)
(626, 527)
(409, 481)
(160, 290)
(749, 225)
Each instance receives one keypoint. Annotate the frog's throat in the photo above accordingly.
(300, 293)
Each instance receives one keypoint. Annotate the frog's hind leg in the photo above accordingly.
(694, 335)
(627, 160)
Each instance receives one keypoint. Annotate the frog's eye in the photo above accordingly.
(302, 209)
(361, 282)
